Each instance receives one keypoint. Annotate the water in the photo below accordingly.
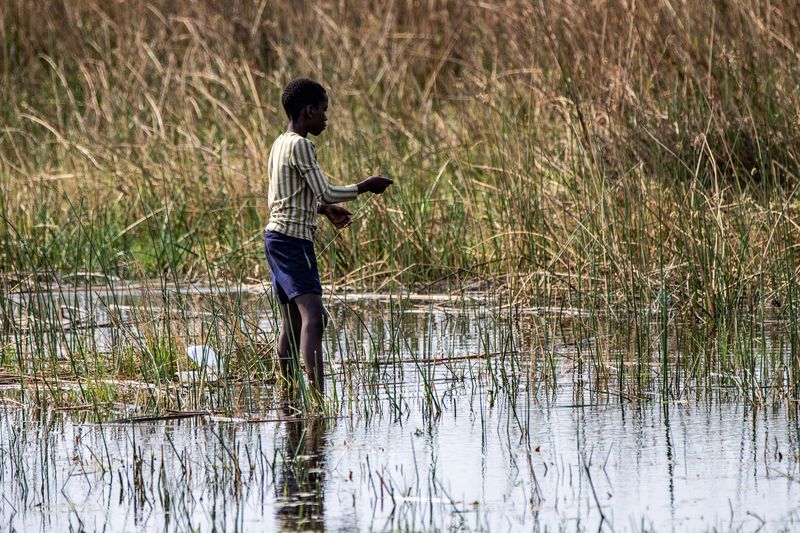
(481, 439)
(676, 467)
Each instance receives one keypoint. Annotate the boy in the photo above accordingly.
(298, 193)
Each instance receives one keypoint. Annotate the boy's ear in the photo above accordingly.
(309, 110)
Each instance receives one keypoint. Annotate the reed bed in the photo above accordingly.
(622, 148)
(595, 205)
(632, 160)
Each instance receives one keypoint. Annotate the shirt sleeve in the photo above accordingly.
(305, 158)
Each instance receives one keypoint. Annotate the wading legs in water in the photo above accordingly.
(304, 321)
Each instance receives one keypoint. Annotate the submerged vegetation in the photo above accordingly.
(562, 415)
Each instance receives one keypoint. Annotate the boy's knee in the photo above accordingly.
(316, 322)
(312, 311)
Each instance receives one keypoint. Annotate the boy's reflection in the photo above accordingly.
(300, 486)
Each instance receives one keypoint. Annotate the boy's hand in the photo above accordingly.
(374, 184)
(339, 216)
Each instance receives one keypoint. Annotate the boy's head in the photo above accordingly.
(301, 93)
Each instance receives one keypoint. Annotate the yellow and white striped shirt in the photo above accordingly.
(297, 186)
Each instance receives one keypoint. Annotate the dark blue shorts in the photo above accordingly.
(292, 265)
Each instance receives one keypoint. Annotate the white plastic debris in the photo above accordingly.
(205, 358)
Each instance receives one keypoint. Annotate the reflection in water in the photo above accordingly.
(300, 487)
(670, 460)
(673, 466)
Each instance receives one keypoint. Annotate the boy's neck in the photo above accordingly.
(298, 127)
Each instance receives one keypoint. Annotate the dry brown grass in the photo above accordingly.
(590, 145)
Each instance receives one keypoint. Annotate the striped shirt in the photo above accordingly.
(297, 186)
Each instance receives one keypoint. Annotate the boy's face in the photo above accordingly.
(317, 117)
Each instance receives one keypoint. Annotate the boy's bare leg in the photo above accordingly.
(312, 315)
(289, 341)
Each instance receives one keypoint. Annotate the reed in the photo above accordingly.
(593, 203)
(586, 142)
(633, 167)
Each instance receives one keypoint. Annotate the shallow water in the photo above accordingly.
(673, 467)
(443, 420)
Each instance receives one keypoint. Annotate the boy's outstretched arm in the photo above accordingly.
(341, 217)
(305, 158)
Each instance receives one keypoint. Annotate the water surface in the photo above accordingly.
(447, 416)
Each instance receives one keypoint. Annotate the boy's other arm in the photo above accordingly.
(338, 215)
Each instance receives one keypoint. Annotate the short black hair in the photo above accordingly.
(299, 93)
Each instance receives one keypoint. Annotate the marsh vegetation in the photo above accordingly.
(592, 235)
